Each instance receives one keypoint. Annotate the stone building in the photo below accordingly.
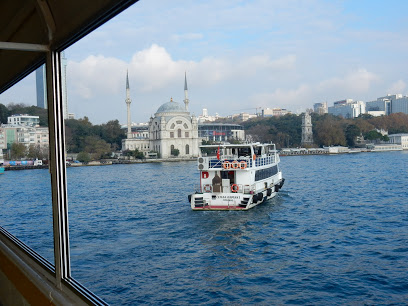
(307, 132)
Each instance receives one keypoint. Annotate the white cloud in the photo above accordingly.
(356, 82)
(96, 75)
(154, 69)
(398, 87)
(283, 98)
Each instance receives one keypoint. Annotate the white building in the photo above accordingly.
(172, 128)
(23, 119)
(347, 108)
(27, 135)
(276, 112)
(320, 108)
(400, 139)
(382, 104)
(204, 117)
(400, 105)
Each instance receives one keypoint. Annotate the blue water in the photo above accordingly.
(337, 233)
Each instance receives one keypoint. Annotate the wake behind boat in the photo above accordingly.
(236, 176)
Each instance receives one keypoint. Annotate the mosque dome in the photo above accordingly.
(171, 107)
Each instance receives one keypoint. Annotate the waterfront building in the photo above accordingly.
(171, 129)
(399, 139)
(23, 119)
(307, 132)
(347, 108)
(320, 108)
(221, 132)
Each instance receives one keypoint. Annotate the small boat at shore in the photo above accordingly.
(236, 176)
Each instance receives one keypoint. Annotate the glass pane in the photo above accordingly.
(25, 184)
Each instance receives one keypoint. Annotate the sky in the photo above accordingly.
(238, 56)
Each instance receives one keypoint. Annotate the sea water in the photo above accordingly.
(337, 233)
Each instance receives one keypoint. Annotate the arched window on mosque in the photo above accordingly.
(179, 133)
(172, 126)
(171, 134)
(187, 134)
(187, 149)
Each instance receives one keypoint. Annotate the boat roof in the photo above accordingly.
(30, 28)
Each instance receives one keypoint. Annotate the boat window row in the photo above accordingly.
(266, 173)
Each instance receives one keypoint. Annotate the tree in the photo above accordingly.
(112, 133)
(352, 131)
(84, 157)
(29, 110)
(373, 135)
(329, 131)
(96, 146)
(4, 113)
(37, 152)
(18, 150)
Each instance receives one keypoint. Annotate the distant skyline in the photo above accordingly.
(238, 55)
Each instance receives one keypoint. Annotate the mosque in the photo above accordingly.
(171, 132)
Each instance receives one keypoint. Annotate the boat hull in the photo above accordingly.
(231, 201)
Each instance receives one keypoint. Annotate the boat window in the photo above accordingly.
(266, 173)
(25, 196)
(244, 152)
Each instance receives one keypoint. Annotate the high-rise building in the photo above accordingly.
(64, 84)
(320, 108)
(347, 108)
(40, 84)
(41, 88)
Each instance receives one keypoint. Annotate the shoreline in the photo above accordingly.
(295, 152)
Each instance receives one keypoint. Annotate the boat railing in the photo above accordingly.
(227, 161)
(263, 161)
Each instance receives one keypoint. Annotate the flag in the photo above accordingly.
(218, 153)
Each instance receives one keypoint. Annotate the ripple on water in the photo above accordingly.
(333, 235)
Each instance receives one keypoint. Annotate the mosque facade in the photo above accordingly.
(171, 132)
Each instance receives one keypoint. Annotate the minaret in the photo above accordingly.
(128, 101)
(185, 91)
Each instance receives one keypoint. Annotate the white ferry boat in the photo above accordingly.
(236, 176)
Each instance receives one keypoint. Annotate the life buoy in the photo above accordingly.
(243, 165)
(254, 156)
(207, 188)
(226, 165)
(234, 188)
(235, 164)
